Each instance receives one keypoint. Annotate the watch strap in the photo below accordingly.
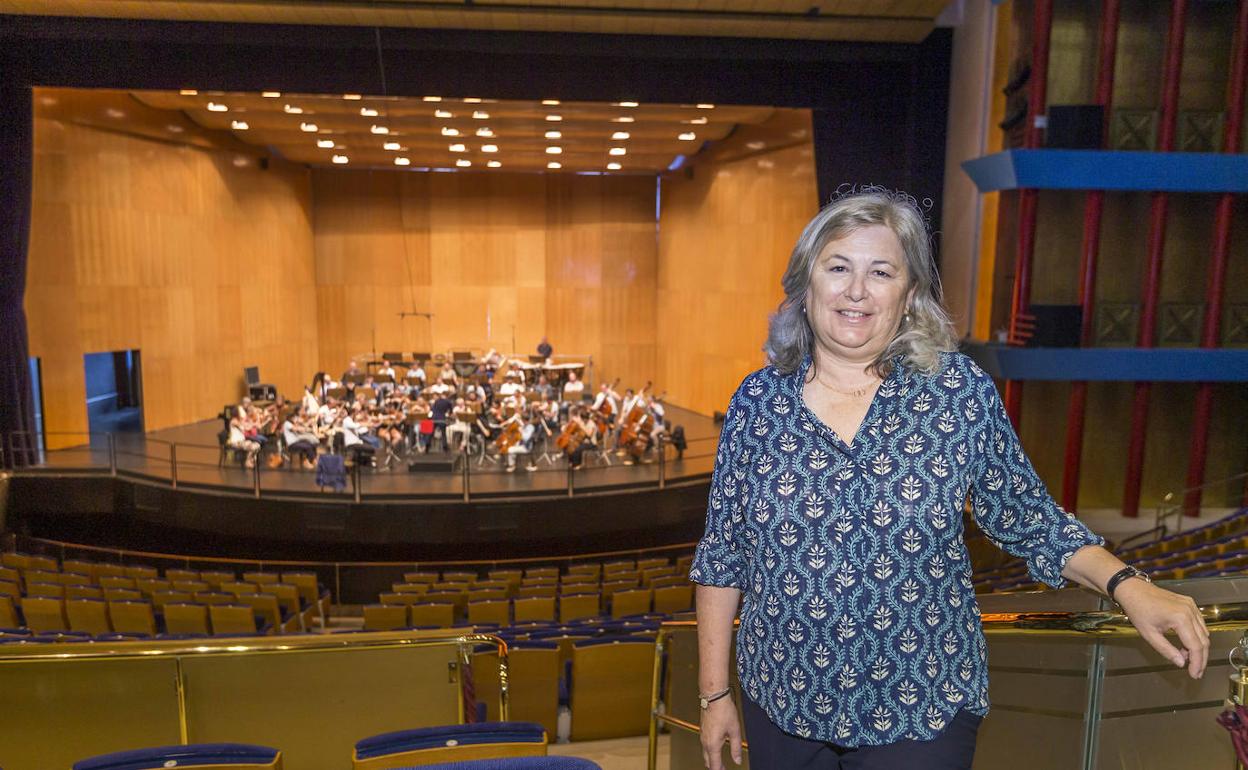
(1116, 579)
(707, 700)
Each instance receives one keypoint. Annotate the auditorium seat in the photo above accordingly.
(181, 574)
(652, 563)
(432, 614)
(631, 602)
(44, 613)
(89, 615)
(238, 587)
(533, 608)
(382, 617)
(291, 603)
(113, 581)
(420, 577)
(51, 590)
(490, 611)
(457, 599)
(610, 687)
(99, 570)
(667, 581)
(451, 743)
(609, 587)
(236, 756)
(675, 598)
(186, 618)
(411, 588)
(519, 763)
(459, 577)
(476, 594)
(191, 586)
(262, 578)
(612, 567)
(46, 563)
(161, 598)
(576, 606)
(533, 671)
(77, 566)
(213, 597)
(149, 586)
(510, 576)
(392, 597)
(548, 590)
(14, 560)
(123, 595)
(541, 572)
(8, 613)
(139, 572)
(592, 569)
(270, 613)
(229, 619)
(216, 578)
(578, 579)
(309, 590)
(10, 588)
(132, 617)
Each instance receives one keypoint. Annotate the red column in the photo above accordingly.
(1042, 25)
(1209, 335)
(1156, 249)
(1093, 207)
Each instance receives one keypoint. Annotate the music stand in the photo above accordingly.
(395, 359)
(536, 359)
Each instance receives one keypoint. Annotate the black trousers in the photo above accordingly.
(773, 749)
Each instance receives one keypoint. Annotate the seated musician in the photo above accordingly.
(511, 385)
(438, 412)
(524, 445)
(448, 376)
(581, 416)
(351, 433)
(300, 440)
(543, 388)
(460, 428)
(574, 389)
(606, 395)
(416, 377)
(385, 425)
(353, 369)
(476, 391)
(384, 386)
(237, 439)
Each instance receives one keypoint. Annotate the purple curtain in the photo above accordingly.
(17, 414)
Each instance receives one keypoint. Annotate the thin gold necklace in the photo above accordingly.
(859, 393)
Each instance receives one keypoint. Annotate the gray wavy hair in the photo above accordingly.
(921, 338)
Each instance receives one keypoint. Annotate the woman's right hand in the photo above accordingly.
(719, 724)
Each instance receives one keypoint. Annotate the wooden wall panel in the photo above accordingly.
(725, 236)
(203, 266)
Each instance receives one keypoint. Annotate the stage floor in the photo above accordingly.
(190, 456)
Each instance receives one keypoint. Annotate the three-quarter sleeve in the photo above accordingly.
(1010, 502)
(720, 557)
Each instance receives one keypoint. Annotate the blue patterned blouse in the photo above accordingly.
(859, 624)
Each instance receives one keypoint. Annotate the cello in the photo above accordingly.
(632, 440)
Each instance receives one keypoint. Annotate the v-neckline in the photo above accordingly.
(868, 420)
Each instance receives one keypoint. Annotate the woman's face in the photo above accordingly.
(859, 290)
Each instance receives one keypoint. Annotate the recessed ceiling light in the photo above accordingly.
(550, 102)
(391, 146)
(485, 132)
(309, 128)
(271, 94)
(617, 151)
(368, 112)
(352, 97)
(696, 121)
(554, 118)
(188, 92)
(756, 145)
(494, 164)
(463, 163)
(241, 161)
(458, 148)
(626, 104)
(623, 119)
(554, 134)
(401, 161)
(325, 144)
(620, 135)
(471, 100)
(448, 131)
(613, 167)
(341, 160)
(443, 114)
(688, 136)
(379, 129)
(431, 98)
(489, 148)
(554, 150)
(705, 106)
(174, 128)
(481, 115)
(292, 109)
(554, 164)
(239, 125)
(215, 107)
(113, 112)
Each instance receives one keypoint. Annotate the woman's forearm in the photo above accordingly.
(1092, 566)
(716, 609)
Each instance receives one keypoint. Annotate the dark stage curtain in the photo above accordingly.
(17, 414)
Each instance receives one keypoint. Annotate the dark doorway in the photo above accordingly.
(114, 392)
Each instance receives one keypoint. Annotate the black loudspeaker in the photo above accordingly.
(1075, 126)
(1057, 326)
(718, 417)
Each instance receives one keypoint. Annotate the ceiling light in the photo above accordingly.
(554, 134)
(241, 161)
(688, 136)
(174, 128)
(756, 145)
(554, 150)
(551, 102)
(188, 92)
(696, 121)
(554, 118)
(292, 109)
(620, 135)
(271, 94)
(463, 163)
(309, 128)
(239, 125)
(481, 115)
(458, 148)
(706, 106)
(448, 131)
(442, 114)
(352, 97)
(325, 144)
(471, 100)
(554, 164)
(379, 129)
(494, 164)
(489, 148)
(617, 151)
(368, 112)
(113, 112)
(431, 98)
(214, 107)
(626, 104)
(623, 119)
(391, 146)
(341, 160)
(613, 167)
(485, 132)
(401, 161)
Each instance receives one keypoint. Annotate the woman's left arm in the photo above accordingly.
(1152, 610)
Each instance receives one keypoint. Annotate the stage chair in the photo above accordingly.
(533, 676)
(235, 756)
(134, 617)
(262, 579)
(181, 574)
(672, 599)
(534, 608)
(575, 606)
(542, 572)
(270, 612)
(231, 619)
(213, 597)
(632, 602)
(186, 618)
(51, 590)
(610, 687)
(435, 614)
(452, 743)
(44, 613)
(90, 615)
(490, 611)
(420, 577)
(383, 617)
(123, 595)
(546, 590)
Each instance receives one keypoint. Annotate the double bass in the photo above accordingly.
(605, 413)
(635, 433)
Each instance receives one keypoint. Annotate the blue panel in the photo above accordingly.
(1112, 364)
(1109, 170)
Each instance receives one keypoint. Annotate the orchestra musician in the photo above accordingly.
(300, 439)
(416, 377)
(458, 431)
(384, 385)
(579, 416)
(544, 349)
(574, 389)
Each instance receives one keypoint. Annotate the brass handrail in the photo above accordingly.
(271, 645)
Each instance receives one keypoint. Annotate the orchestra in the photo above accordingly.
(491, 407)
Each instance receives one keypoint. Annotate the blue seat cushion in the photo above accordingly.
(181, 756)
(437, 737)
(516, 763)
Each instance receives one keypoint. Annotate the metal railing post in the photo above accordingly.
(467, 463)
(173, 465)
(570, 484)
(255, 476)
(661, 446)
(356, 476)
(112, 453)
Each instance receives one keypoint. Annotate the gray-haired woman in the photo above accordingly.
(835, 518)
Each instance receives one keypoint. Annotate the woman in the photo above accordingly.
(835, 519)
